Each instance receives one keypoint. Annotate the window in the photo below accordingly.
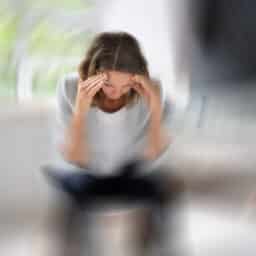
(39, 41)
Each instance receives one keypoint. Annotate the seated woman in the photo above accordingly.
(112, 113)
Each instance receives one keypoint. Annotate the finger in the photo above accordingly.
(136, 78)
(100, 75)
(135, 87)
(142, 92)
(138, 89)
(96, 75)
(90, 80)
(91, 87)
(143, 80)
(146, 86)
(92, 83)
(81, 82)
(86, 93)
(94, 90)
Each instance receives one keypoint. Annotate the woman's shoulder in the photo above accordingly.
(67, 87)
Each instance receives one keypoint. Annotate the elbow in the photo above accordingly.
(73, 157)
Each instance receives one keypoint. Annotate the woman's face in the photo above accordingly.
(117, 84)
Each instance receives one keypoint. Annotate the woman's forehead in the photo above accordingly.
(118, 76)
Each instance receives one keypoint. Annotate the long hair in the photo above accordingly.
(116, 51)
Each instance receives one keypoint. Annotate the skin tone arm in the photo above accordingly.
(76, 150)
(157, 137)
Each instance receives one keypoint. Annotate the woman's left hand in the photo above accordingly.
(149, 91)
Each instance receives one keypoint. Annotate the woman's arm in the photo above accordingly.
(157, 139)
(163, 150)
(75, 146)
(75, 149)
(71, 131)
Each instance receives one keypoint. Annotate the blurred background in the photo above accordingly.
(203, 53)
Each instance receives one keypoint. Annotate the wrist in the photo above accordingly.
(155, 112)
(156, 146)
(79, 115)
(155, 124)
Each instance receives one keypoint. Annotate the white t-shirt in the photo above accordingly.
(113, 138)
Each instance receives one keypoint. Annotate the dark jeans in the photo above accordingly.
(126, 186)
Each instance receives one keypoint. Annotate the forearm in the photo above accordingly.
(157, 138)
(76, 149)
(154, 129)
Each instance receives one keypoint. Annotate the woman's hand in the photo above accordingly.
(86, 91)
(149, 91)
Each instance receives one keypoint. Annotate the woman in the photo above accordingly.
(111, 113)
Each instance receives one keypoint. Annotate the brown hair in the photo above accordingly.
(118, 51)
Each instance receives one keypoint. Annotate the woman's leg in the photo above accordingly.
(164, 192)
(166, 217)
(71, 222)
(73, 183)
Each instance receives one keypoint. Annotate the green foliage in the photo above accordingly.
(51, 44)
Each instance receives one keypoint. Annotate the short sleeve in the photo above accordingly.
(63, 104)
(167, 114)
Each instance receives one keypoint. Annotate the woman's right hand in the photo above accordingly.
(86, 91)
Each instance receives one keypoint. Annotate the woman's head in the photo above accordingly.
(119, 55)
